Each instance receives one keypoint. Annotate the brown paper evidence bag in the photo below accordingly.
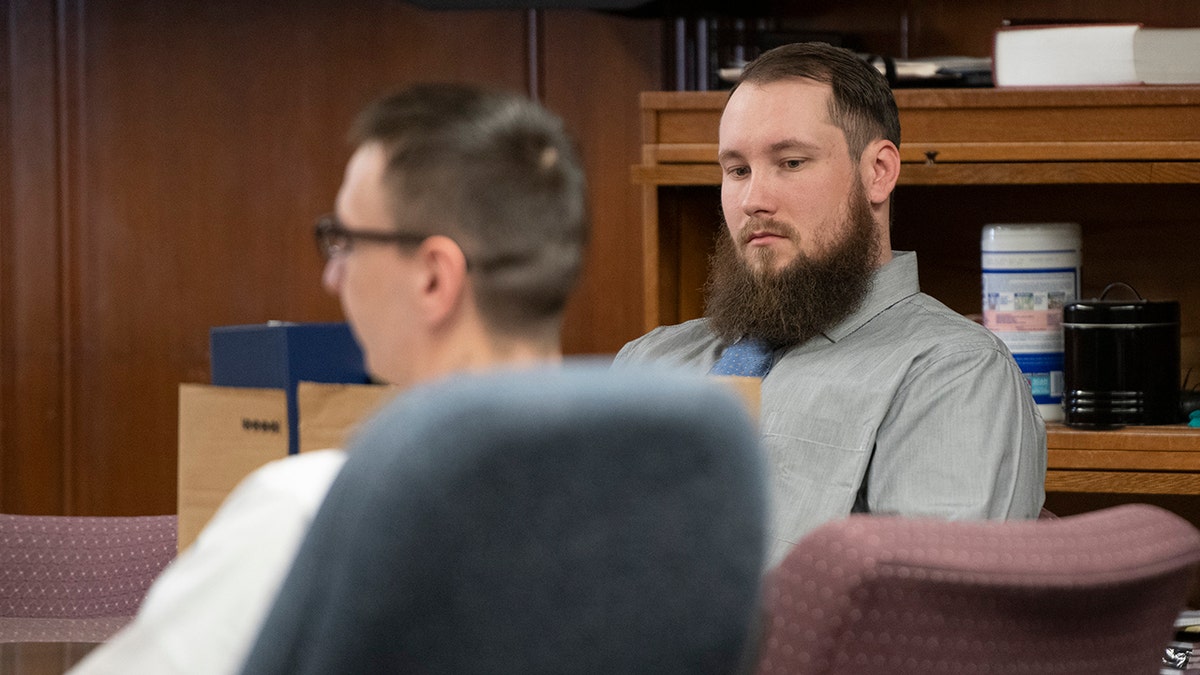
(227, 432)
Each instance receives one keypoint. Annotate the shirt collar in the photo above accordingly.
(892, 283)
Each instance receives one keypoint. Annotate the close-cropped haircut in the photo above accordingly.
(497, 173)
(862, 105)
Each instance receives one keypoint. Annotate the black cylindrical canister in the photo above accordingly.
(1121, 363)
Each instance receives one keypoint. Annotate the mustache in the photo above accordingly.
(758, 226)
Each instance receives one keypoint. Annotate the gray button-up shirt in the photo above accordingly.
(904, 407)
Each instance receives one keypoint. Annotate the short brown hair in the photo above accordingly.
(862, 105)
(497, 173)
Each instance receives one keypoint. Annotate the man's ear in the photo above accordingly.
(443, 279)
(881, 169)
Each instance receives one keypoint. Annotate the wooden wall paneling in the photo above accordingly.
(209, 137)
(32, 457)
(595, 64)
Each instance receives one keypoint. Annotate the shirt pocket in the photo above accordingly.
(817, 465)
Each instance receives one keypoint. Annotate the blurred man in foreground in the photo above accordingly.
(459, 232)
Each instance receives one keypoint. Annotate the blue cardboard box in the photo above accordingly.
(278, 355)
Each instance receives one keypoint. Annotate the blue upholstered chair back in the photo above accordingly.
(567, 520)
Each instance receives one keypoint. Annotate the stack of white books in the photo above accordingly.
(1099, 54)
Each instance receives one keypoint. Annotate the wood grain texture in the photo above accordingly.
(1167, 440)
(206, 136)
(595, 65)
(1122, 460)
(165, 162)
(34, 464)
(1123, 482)
(42, 658)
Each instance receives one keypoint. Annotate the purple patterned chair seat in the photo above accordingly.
(1095, 593)
(77, 578)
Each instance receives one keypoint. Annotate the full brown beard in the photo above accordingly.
(788, 306)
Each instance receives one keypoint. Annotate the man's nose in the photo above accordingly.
(758, 196)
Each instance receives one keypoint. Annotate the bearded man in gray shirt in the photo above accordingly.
(876, 398)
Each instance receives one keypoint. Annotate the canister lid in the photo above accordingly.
(1127, 312)
(1120, 312)
(1030, 237)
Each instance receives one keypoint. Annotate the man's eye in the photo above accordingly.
(738, 171)
(793, 163)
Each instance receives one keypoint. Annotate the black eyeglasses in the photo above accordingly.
(333, 238)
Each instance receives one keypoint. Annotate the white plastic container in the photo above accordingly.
(1030, 271)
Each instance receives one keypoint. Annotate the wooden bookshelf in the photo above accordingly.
(1094, 150)
(1152, 460)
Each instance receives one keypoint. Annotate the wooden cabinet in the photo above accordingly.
(1124, 162)
(1160, 460)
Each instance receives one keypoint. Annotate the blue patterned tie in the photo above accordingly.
(748, 357)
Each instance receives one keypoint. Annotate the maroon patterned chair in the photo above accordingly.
(1095, 593)
(77, 579)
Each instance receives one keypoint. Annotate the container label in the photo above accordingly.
(1044, 372)
(1024, 307)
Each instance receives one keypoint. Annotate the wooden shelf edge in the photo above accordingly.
(1123, 482)
(1050, 173)
(1076, 459)
(940, 153)
(1044, 97)
(1167, 438)
(982, 97)
(676, 174)
(968, 173)
(683, 100)
(1055, 151)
